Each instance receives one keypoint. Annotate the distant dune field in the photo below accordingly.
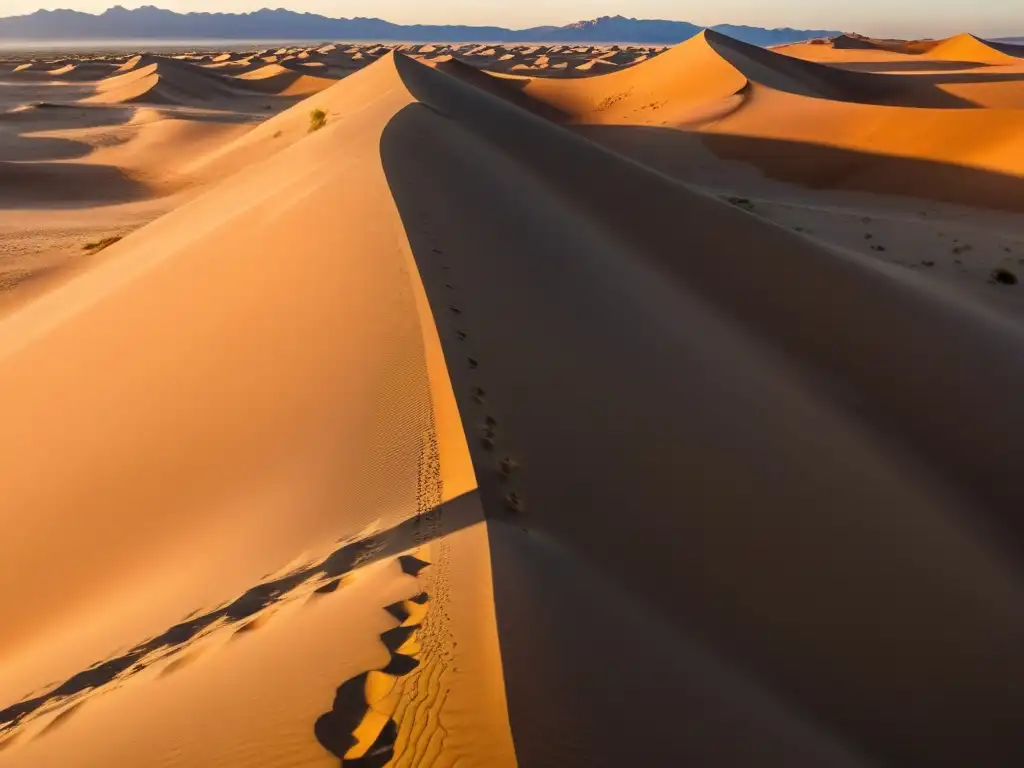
(501, 405)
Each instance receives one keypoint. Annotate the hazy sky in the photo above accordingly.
(907, 18)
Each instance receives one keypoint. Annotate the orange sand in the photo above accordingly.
(506, 419)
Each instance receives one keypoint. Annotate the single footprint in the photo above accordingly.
(329, 587)
(412, 565)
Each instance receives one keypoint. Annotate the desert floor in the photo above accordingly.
(485, 405)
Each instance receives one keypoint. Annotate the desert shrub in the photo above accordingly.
(740, 202)
(100, 244)
(1004, 276)
(317, 120)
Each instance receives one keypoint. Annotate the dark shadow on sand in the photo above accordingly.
(924, 65)
(817, 166)
(817, 80)
(450, 517)
(65, 185)
(656, 456)
(335, 730)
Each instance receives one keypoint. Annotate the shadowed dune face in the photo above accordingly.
(818, 166)
(161, 82)
(458, 429)
(971, 48)
(782, 521)
(282, 81)
(175, 641)
(930, 120)
(60, 185)
(809, 79)
(718, 69)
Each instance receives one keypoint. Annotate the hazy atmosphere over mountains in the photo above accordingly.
(150, 22)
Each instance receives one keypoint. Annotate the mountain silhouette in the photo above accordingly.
(149, 22)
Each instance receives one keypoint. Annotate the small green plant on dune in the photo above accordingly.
(1003, 276)
(100, 244)
(317, 120)
(740, 202)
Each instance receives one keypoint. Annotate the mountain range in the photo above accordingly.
(150, 22)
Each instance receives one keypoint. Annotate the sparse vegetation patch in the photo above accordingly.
(99, 245)
(317, 120)
(741, 202)
(1003, 276)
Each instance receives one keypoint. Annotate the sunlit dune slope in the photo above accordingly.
(692, 76)
(970, 48)
(162, 81)
(785, 74)
(70, 71)
(231, 412)
(282, 81)
(801, 121)
(712, 68)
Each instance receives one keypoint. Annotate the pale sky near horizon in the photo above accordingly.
(897, 18)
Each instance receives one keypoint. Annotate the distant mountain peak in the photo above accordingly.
(151, 22)
(596, 22)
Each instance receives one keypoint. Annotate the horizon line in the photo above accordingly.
(150, 6)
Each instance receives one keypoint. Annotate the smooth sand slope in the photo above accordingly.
(340, 456)
(282, 81)
(969, 48)
(804, 122)
(91, 148)
(743, 499)
(834, 163)
(165, 81)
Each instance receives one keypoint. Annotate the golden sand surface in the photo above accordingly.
(462, 405)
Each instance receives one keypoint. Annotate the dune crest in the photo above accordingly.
(970, 48)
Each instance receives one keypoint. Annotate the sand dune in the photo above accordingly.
(739, 99)
(236, 66)
(82, 71)
(719, 70)
(967, 48)
(855, 42)
(964, 48)
(443, 434)
(550, 61)
(137, 62)
(804, 78)
(161, 82)
(71, 71)
(283, 81)
(654, 88)
(87, 158)
(958, 71)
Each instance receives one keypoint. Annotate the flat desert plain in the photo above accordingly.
(446, 405)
